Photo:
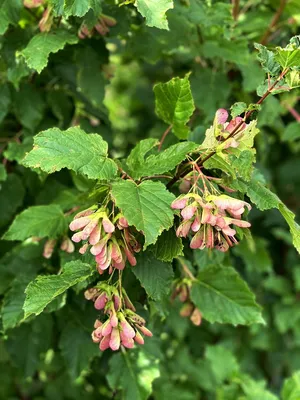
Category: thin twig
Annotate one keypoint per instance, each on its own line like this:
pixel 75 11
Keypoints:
pixel 273 22
pixel 294 113
pixel 186 269
pixel 235 9
pixel 164 136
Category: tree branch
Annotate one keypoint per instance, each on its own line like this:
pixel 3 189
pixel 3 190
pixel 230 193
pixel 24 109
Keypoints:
pixel 235 130
pixel 273 23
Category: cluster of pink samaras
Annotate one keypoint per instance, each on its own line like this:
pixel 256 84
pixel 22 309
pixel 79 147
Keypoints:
pixel 209 220
pixel 123 327
pixel 45 22
pixel 229 127
pixel 112 243
pixel 182 291
pixel 102 27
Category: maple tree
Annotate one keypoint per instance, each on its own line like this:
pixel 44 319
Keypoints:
pixel 148 196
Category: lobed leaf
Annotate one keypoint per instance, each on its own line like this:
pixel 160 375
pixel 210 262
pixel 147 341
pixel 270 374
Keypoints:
pixel 147 206
pixel 174 104
pixel 154 11
pixel 156 164
pixel 73 149
pixel 45 288
pixel 41 45
pixel 40 221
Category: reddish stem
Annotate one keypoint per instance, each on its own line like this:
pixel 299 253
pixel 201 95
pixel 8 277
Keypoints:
pixel 164 136
pixel 273 22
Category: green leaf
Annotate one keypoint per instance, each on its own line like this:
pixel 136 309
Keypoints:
pixel 256 259
pixel 168 246
pixel 206 84
pixel 238 108
pixel 291 387
pixel 156 164
pixel 155 276
pixel 28 358
pixel 267 59
pixel 291 132
pixel 90 79
pixel 40 221
pixel 12 193
pixel 288 58
pixel 235 51
pixel 73 149
pixel 264 199
pixel 17 151
pixel 10 11
pixel 242 163
pixel 146 206
pixel 77 348
pixel 223 363
pixel 174 104
pixel 3 173
pixel 41 45
pixel 293 79
pixel 5 100
pixel 133 372
pixel 29 106
pixel 12 310
pixel 46 288
pixel 222 296
pixel 79 8
pixel 289 216
pixel 219 162
pixel 155 12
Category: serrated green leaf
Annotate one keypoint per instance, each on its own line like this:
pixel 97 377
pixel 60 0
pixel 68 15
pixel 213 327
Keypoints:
pixel 289 216
pixel 168 246
pixel 264 199
pixel 133 372
pixel 238 108
pixel 155 12
pixel 287 58
pixel 43 44
pixel 73 149
pixel 46 288
pixel 222 296
pixel 174 104
pixel 242 163
pixel 156 163
pixel 219 162
pixel 146 206
pixel 40 221
pixel 79 8
pixel 267 59
pixel 291 387
pixel 155 276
